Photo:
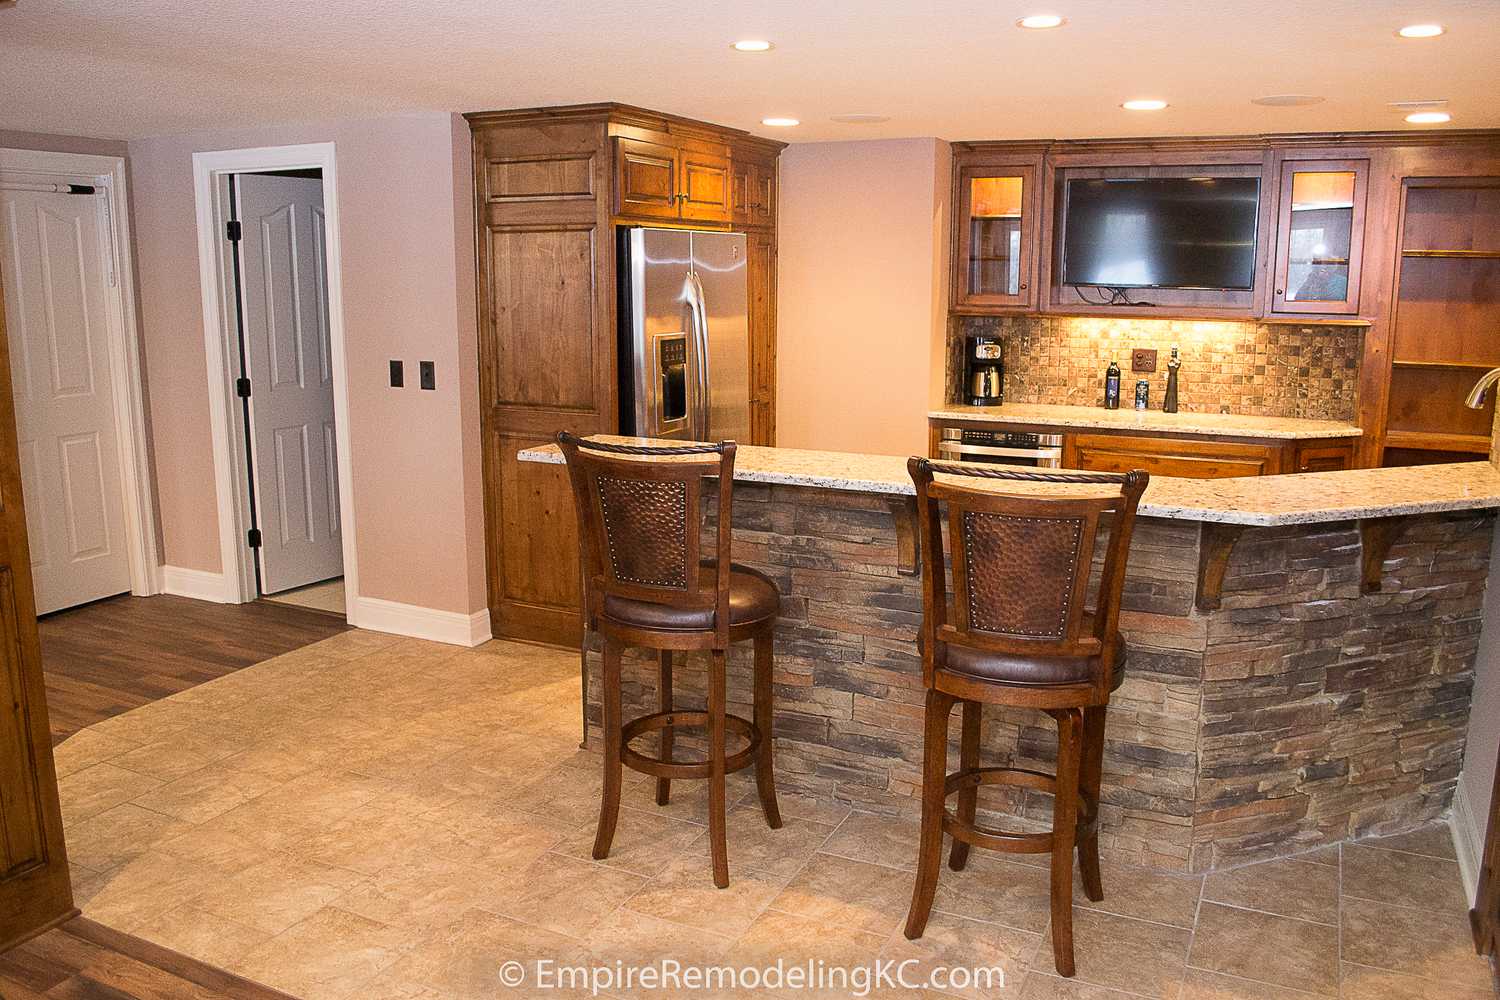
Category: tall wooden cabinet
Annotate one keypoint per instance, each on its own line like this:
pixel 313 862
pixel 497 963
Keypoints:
pixel 552 186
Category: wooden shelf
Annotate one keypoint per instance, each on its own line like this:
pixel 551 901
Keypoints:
pixel 1482 366
pixel 1436 441
pixel 1455 254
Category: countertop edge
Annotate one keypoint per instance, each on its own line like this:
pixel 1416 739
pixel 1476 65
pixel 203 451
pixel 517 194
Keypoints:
pixel 1083 420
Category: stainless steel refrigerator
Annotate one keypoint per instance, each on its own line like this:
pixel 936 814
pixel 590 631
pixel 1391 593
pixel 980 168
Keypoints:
pixel 684 335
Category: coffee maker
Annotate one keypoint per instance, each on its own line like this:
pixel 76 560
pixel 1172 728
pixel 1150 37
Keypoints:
pixel 985 375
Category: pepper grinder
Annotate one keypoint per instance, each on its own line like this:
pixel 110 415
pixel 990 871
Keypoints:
pixel 1169 401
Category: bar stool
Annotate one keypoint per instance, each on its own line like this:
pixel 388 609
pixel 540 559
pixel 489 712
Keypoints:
pixel 641 521
pixel 1021 635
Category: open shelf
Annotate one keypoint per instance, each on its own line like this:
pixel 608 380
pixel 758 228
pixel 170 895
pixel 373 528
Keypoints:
pixel 1454 254
pixel 1434 441
pixel 1479 366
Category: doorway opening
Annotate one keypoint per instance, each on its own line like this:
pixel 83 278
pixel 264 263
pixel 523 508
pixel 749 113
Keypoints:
pixel 269 253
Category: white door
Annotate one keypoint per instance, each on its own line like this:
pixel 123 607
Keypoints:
pixel 284 296
pixel 57 312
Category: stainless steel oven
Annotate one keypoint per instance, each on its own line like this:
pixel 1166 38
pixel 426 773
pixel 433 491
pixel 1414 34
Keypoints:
pixel 1042 451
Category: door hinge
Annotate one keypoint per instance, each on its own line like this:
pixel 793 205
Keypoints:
pixel 232 230
pixel 242 388
pixel 252 538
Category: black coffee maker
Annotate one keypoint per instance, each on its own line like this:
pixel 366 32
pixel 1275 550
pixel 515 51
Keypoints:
pixel 985 370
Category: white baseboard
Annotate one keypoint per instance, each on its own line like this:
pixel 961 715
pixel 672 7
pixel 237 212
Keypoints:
pixel 1468 840
pixel 452 627
pixel 198 584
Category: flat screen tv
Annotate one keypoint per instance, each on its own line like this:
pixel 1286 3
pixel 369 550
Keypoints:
pixel 1160 232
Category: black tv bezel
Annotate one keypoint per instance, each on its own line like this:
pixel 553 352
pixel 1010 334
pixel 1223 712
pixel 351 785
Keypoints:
pixel 1062 242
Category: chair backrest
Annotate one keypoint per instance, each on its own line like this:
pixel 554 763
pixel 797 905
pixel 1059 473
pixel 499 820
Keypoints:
pixel 640 521
pixel 1022 560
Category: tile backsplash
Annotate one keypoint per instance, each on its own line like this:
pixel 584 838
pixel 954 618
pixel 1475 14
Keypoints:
pixel 1259 369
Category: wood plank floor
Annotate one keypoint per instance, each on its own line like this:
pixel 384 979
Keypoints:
pixel 82 960
pixel 105 658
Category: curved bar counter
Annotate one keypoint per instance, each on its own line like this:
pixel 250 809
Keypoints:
pixel 1301 651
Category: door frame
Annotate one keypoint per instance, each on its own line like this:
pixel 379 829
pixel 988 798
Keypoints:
pixel 220 335
pixel 137 488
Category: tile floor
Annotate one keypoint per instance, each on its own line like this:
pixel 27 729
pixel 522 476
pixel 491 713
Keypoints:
pixel 373 817
pixel 325 596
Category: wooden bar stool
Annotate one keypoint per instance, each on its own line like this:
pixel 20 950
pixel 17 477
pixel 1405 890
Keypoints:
pixel 1021 635
pixel 640 518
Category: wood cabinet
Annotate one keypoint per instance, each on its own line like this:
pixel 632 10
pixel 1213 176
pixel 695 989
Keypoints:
pixel 1325 456
pixel 682 183
pixel 1320 234
pixel 1187 458
pixel 997 210
pixel 552 189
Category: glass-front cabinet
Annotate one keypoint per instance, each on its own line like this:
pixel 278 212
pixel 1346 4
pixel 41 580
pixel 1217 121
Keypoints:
pixel 997 225
pixel 1320 236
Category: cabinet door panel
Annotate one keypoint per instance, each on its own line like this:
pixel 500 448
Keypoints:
pixel 996 234
pixel 536 551
pixel 541 298
pixel 647 179
pixel 1320 236
pixel 705 187
pixel 762 282
pixel 1188 459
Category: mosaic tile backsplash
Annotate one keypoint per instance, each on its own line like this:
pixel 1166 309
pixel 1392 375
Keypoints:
pixel 1258 369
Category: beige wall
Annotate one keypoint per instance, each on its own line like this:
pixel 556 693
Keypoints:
pixel 61 143
pixel 408 260
pixel 861 293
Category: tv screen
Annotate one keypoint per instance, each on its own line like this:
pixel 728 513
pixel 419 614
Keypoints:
pixel 1161 232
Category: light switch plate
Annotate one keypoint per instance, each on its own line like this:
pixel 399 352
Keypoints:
pixel 1142 359
pixel 428 376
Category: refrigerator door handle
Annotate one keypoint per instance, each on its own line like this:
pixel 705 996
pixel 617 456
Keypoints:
pixel 699 310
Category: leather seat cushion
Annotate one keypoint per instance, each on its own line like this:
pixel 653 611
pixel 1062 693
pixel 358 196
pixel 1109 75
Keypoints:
pixel 1029 671
pixel 752 598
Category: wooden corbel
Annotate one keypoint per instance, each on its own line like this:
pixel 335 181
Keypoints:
pixel 1376 536
pixel 908 558
pixel 1215 543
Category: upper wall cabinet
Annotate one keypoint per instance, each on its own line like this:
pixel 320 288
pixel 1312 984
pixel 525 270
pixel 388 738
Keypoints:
pixel 1320 236
pixel 678 183
pixel 996 226
pixel 753 191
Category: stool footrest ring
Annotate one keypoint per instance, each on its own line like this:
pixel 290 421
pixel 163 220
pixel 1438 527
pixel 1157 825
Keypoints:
pixel 1004 840
pixel 660 768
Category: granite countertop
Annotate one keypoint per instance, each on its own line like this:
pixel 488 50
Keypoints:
pixel 1306 498
pixel 1128 419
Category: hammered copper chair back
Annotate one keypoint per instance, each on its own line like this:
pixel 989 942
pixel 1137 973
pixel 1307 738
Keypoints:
pixel 1022 561
pixel 640 518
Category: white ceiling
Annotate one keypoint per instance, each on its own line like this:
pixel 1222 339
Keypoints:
pixel 957 69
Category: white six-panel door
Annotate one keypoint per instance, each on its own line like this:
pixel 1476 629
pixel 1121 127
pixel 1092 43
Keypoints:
pixel 289 362
pixel 56 310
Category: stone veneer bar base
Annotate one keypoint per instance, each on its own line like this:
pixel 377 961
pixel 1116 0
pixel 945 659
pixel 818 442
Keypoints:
pixel 1300 714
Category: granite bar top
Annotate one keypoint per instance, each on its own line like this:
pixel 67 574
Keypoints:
pixel 1149 421
pixel 1305 498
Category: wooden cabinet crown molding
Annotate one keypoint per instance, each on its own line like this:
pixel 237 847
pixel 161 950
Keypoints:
pixel 1222 143
pixel 627 115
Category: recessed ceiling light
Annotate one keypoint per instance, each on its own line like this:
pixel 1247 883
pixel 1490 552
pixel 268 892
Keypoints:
pixel 1287 100
pixel 780 122
pixel 1429 117
pixel 859 119
pixel 1040 21
pixel 753 45
pixel 1421 31
pixel 1144 104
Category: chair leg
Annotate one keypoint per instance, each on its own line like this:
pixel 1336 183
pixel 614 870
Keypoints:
pixel 930 843
pixel 716 709
pixel 664 692
pixel 765 779
pixel 968 798
pixel 1064 833
pixel 609 809
pixel 1089 780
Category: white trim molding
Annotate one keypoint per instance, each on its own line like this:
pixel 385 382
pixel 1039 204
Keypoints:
pixel 107 175
pixel 452 627
pixel 1468 841
pixel 208 168
pixel 199 584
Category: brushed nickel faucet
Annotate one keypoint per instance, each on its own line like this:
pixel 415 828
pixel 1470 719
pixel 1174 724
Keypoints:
pixel 1475 400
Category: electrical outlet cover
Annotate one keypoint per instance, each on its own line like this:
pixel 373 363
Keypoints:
pixel 1143 360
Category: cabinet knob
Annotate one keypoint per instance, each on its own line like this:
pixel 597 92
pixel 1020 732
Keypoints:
pixel 1023 284
pixel 1280 291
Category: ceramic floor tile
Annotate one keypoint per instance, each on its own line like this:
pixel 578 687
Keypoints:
pixel 636 940
pixel 95 789
pixel 565 895
pixel 275 894
pixel 326 956
pixel 1201 985
pixel 1287 888
pixel 1437 946
pixel 953 942
pixel 204 794
pixel 205 936
pixel 425 893
pixel 684 893
pixel 995 890
pixel 176 756
pixel 1434 841
pixel 796 941
pixel 463 960
pixel 1405 879
pixel 1041 986
pixel 643 843
pixel 855 894
pixel 118 835
pixel 1361 983
pixel 754 846
pixel 877 839
pixel 139 890
pixel 487 832
pixel 1122 953
pixel 1144 893
pixel 1261 946
pixel 86 748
